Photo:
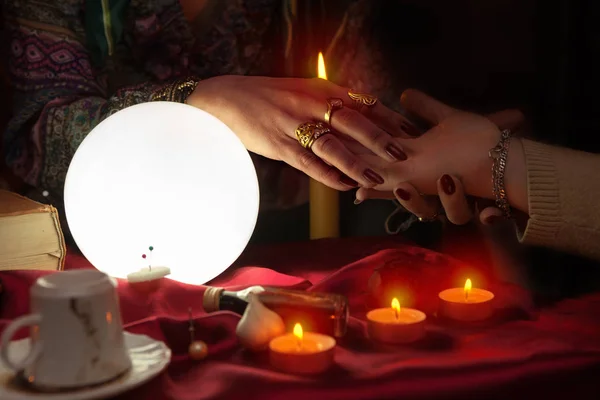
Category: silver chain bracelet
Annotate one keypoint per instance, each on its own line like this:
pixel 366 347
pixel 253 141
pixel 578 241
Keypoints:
pixel 499 155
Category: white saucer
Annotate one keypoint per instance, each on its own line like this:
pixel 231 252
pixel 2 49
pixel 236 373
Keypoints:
pixel 149 357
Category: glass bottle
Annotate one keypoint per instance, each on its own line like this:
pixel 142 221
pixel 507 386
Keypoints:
pixel 317 312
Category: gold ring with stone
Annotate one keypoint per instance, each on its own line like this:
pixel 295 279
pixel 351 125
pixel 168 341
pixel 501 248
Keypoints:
pixel 362 99
pixel 332 105
pixel 433 218
pixel 308 132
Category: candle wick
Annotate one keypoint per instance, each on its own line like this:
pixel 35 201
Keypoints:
pixel 466 295
pixel 396 312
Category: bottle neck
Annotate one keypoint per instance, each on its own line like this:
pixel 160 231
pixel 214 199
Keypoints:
pixel 219 299
pixel 229 301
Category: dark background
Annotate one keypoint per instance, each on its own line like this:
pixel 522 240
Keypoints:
pixel 541 56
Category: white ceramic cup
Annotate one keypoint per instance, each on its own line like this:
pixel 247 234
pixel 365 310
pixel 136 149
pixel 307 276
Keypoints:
pixel 76 332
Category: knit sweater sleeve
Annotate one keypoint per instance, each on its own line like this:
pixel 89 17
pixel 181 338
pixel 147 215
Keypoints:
pixel 564 199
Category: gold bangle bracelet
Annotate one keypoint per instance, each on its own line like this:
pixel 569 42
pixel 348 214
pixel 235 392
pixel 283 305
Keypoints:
pixel 177 91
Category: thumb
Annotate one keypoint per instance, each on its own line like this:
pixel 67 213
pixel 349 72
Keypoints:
pixel 363 194
pixel 425 107
pixel 507 119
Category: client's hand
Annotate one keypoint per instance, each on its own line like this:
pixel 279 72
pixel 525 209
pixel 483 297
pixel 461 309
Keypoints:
pixel 265 112
pixel 451 197
pixel 458 142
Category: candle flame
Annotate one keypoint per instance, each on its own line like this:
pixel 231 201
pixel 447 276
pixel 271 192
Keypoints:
pixel 298 331
pixel 468 286
pixel 321 71
pixel 299 335
pixel 396 306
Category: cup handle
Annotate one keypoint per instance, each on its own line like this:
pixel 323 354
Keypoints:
pixel 7 335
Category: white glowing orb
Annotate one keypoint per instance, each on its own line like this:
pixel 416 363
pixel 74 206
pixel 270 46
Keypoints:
pixel 165 175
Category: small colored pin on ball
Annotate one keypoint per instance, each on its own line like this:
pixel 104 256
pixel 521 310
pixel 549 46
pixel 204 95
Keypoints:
pixel 143 256
pixel 151 248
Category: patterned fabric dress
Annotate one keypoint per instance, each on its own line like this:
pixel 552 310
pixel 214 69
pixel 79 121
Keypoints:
pixel 74 62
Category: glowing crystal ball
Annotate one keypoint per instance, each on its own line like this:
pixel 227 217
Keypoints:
pixel 165 175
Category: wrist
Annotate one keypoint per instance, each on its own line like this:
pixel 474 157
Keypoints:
pixel 198 96
pixel 515 178
pixel 208 93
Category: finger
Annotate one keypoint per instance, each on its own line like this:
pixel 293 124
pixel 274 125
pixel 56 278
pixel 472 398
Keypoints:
pixel 360 128
pixel 490 215
pixel 507 119
pixel 331 150
pixel 363 194
pixel 454 201
pixel 395 124
pixel 425 107
pixel 414 202
pixel 358 148
pixel 307 162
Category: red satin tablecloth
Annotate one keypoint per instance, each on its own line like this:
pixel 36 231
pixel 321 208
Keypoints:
pixel 525 353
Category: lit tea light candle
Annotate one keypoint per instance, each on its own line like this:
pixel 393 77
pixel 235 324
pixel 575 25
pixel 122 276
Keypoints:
pixel 148 274
pixel 149 277
pixel 466 303
pixel 396 324
pixel 302 352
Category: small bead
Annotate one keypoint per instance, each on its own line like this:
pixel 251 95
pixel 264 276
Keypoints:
pixel 143 256
pixel 198 350
pixel 151 248
pixel 45 193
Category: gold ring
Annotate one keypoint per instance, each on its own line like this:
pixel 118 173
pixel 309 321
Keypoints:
pixel 362 99
pixel 332 105
pixel 433 218
pixel 308 132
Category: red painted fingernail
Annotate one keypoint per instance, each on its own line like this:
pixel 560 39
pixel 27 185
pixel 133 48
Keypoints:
pixel 346 180
pixel 395 152
pixel 403 194
pixel 448 184
pixel 410 129
pixel 373 177
pixel 492 219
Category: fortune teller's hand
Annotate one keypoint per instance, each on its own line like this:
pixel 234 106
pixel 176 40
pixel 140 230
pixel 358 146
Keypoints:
pixel 265 114
pixel 457 146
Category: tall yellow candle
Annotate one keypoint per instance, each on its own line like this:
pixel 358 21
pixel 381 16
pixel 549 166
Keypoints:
pixel 324 202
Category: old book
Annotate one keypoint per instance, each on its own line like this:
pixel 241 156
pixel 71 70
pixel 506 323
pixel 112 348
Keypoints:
pixel 30 234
